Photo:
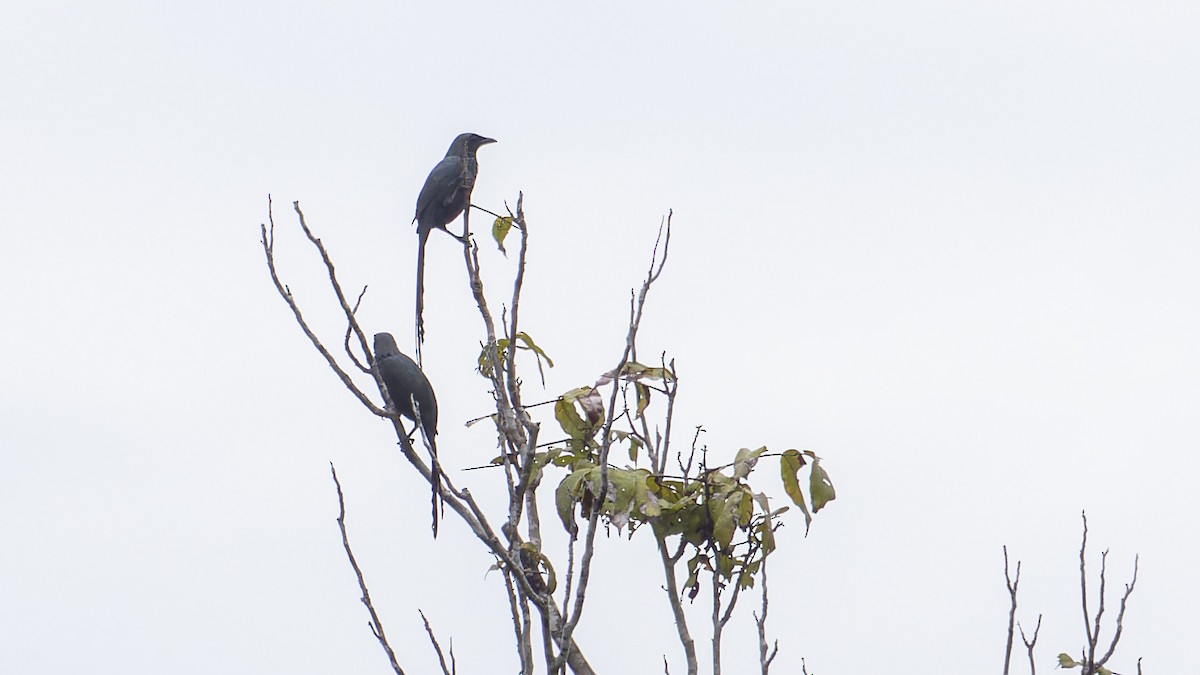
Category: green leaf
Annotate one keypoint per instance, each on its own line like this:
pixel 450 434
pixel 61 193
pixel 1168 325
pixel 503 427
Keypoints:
pixel 567 493
pixel 648 503
pixel 500 229
pixel 693 580
pixel 767 535
pixel 624 484
pixel 820 487
pixel 725 565
pixel 541 459
pixel 746 579
pixel 789 468
pixel 744 502
pixel 589 401
pixel 635 445
pixel 723 522
pixel 570 421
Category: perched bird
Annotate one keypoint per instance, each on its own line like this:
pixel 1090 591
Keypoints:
pixel 446 193
pixel 406 386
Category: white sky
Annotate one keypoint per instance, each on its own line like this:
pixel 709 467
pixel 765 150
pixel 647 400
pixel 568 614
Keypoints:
pixel 952 247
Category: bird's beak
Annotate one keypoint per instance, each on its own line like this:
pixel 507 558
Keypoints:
pixel 485 141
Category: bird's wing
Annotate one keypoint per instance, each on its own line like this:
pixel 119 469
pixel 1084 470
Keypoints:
pixel 441 184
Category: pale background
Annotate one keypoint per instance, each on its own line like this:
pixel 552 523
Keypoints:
pixel 952 247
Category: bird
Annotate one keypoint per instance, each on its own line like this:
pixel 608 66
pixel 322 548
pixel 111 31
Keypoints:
pixel 407 385
pixel 446 193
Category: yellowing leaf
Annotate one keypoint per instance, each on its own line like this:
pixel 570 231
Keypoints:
pixel 500 229
pixel 532 346
pixel 820 487
pixel 643 398
pixel 789 468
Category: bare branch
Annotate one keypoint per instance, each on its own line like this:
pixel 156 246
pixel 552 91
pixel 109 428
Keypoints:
pixel 375 624
pixel 1029 644
pixel 1012 585
pixel 673 595
pixel 520 617
pixel 765 657
pixel 436 647
pixel 1121 617
pixel 1090 664
pixel 1090 651
pixel 636 310
pixel 350 331
pixel 268 243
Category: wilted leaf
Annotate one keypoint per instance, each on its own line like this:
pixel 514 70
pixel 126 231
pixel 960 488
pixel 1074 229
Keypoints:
pixel 532 346
pixel 593 406
pixel 565 411
pixel 634 371
pixel 789 468
pixel 500 229
pixel 643 398
pixel 543 563
pixel 744 461
pixel 487 366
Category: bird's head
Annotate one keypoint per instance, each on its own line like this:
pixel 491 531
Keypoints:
pixel 385 345
pixel 468 143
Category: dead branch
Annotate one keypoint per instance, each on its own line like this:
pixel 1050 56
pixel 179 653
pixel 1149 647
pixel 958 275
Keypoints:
pixel 1029 644
pixel 375 623
pixel 438 648
pixel 1012 584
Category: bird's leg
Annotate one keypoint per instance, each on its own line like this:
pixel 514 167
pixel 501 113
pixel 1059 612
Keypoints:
pixel 462 239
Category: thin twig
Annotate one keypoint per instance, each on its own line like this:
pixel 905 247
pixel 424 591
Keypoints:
pixel 268 243
pixel 764 657
pixel 375 623
pixel 350 331
pixel 436 647
pixel 1029 644
pixel 1121 616
pixel 636 311
pixel 673 595
pixel 1012 585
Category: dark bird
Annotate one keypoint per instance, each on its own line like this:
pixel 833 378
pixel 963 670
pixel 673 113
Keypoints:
pixel 446 193
pixel 407 385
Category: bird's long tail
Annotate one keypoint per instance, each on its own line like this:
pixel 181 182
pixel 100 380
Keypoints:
pixel 436 481
pixel 423 236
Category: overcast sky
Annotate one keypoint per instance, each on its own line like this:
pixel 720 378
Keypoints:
pixel 951 247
